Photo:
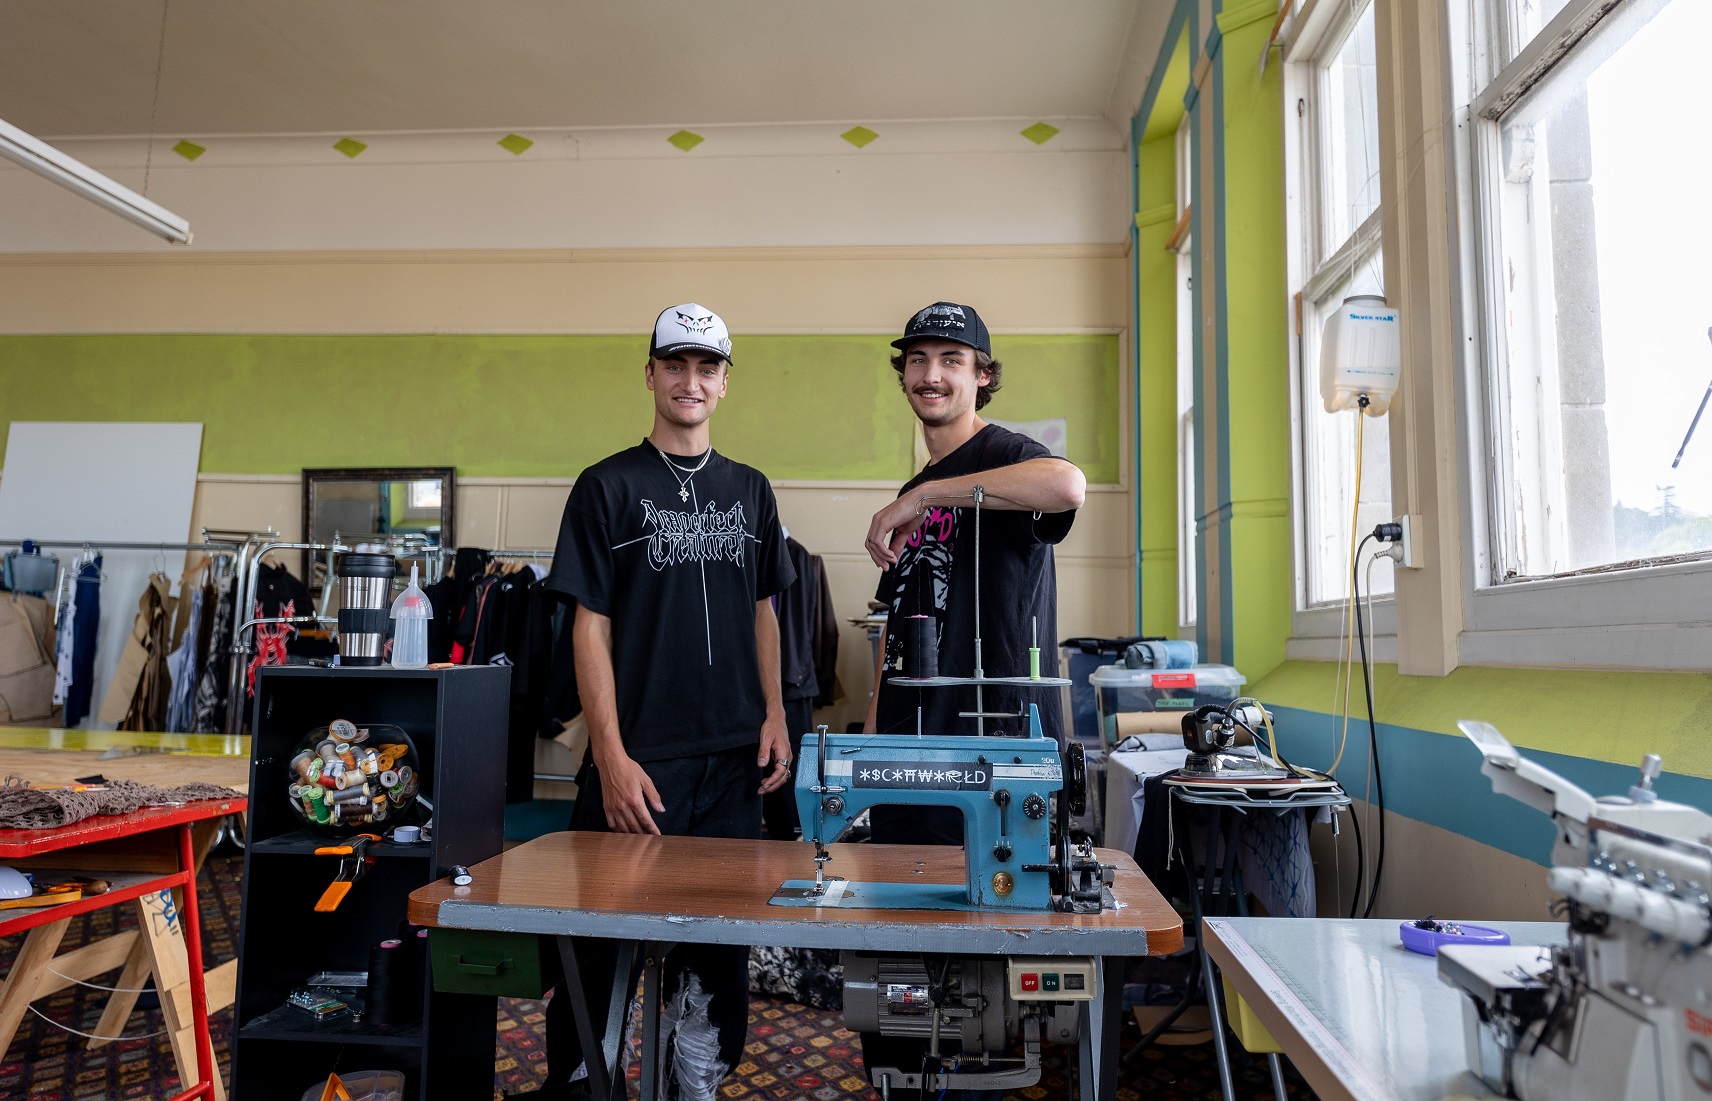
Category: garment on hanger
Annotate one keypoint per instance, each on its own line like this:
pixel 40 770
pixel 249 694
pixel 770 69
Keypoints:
pixel 62 658
pixel 87 596
pixel 208 713
pixel 182 663
pixel 798 608
pixel 447 597
pixel 824 640
pixel 26 659
pixel 136 698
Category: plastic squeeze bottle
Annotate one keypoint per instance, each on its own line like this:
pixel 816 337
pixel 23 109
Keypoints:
pixel 411 613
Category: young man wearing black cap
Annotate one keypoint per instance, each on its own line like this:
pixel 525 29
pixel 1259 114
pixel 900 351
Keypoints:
pixel 925 541
pixel 673 553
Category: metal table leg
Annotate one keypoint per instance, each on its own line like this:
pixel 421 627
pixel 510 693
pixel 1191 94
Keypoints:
pixel 651 1076
pixel 605 1072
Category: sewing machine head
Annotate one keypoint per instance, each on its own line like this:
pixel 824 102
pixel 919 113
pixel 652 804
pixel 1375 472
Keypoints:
pixel 1003 787
pixel 1615 1014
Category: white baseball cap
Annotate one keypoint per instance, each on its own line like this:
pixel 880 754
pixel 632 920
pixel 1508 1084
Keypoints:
pixel 686 327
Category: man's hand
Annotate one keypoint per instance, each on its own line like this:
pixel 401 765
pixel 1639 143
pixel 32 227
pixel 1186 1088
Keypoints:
pixel 891 528
pixel 628 794
pixel 775 751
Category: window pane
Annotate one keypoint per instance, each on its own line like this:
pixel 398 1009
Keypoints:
pixel 1607 296
pixel 1349 161
pixel 1528 16
pixel 1328 466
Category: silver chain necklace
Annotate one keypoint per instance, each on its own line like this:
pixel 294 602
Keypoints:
pixel 684 482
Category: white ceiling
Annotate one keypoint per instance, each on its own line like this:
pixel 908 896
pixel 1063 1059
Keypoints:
pixel 81 67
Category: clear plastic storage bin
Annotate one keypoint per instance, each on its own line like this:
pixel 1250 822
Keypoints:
pixel 1118 690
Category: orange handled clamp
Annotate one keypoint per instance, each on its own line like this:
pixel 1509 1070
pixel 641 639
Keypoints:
pixel 352 864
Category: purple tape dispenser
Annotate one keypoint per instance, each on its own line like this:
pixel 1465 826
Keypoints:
pixel 1425 936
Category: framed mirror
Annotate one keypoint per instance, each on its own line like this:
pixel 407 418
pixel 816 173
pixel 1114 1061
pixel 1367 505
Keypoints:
pixel 376 504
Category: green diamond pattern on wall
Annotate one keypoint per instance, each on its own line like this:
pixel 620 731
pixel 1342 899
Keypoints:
pixel 686 140
pixel 515 144
pixel 350 147
pixel 859 136
pixel 1041 133
pixel 189 150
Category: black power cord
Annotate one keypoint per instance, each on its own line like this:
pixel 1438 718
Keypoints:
pixel 1385 533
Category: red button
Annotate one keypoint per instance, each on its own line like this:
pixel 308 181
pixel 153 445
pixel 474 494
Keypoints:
pixel 1030 982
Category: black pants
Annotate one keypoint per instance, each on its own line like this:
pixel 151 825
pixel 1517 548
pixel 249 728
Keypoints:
pixel 779 808
pixel 708 985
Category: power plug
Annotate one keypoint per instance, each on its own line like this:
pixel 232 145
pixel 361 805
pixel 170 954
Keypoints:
pixel 1398 533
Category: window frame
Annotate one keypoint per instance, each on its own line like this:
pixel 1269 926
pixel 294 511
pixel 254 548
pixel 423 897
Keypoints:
pixel 1313 37
pixel 1182 246
pixel 1647 616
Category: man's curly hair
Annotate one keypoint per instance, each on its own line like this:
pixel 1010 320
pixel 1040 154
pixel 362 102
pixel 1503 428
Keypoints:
pixel 983 362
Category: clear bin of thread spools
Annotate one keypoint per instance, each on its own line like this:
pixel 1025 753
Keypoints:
pixel 1119 691
pixel 345 775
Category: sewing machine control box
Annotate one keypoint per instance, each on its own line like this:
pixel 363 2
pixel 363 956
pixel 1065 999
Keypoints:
pixel 1053 979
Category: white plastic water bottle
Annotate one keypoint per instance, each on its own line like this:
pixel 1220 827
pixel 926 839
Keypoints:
pixel 411 613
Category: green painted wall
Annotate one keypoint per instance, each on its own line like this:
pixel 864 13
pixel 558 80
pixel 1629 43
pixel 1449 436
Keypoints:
pixel 803 407
pixel 1156 269
pixel 1598 715
pixel 1258 364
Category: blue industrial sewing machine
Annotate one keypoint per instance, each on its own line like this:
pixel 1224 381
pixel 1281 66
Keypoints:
pixel 1004 787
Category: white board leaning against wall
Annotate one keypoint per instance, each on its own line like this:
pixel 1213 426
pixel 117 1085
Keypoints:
pixel 96 482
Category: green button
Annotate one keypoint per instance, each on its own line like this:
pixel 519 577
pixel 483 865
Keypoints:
pixel 1049 981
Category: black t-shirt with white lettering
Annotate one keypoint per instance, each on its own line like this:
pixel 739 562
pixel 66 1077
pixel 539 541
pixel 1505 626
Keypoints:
pixel 678 563
pixel 935 576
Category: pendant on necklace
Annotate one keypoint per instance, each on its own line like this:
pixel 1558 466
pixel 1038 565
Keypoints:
pixel 683 493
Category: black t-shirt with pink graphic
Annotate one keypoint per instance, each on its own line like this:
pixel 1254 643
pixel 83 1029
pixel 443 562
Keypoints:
pixel 1019 592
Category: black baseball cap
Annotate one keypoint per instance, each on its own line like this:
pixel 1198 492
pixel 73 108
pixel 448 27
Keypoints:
pixel 947 321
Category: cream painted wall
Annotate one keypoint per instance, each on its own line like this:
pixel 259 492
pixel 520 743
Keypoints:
pixel 920 183
pixel 1017 288
pixel 829 518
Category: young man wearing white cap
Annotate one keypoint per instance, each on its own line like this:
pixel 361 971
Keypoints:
pixel 673 553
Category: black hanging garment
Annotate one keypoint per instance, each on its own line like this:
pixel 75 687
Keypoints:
pixel 209 711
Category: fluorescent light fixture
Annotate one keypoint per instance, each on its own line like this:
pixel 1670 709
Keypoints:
pixel 73 175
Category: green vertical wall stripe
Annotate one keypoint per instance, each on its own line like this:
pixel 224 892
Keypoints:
pixel 1137 467
pixel 1156 438
pixel 1226 651
pixel 808 407
pixel 1254 296
pixel 1207 629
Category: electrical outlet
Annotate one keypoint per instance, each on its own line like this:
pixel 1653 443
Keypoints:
pixel 1409 560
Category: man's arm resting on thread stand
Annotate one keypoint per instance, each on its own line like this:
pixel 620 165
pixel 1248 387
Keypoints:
pixel 626 790
pixel 775 739
pixel 1035 485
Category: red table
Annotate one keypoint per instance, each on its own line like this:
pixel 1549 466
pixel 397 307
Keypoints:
pixel 141 858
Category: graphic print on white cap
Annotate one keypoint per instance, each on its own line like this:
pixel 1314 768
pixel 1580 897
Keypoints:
pixel 687 327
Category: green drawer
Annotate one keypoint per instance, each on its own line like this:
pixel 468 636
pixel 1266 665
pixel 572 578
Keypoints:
pixel 469 961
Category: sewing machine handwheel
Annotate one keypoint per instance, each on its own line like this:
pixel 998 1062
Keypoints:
pixel 1076 780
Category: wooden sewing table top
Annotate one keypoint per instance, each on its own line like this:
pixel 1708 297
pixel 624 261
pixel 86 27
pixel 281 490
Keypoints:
pixel 715 891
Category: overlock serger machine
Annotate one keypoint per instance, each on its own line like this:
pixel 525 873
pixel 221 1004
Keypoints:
pixel 1017 795
pixel 1624 1010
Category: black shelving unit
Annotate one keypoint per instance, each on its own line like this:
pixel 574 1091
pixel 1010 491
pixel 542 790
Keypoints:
pixel 457 719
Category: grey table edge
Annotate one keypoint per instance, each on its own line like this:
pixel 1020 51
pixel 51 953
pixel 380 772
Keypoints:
pixel 796 932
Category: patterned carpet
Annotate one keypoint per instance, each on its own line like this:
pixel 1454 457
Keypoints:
pixel 793 1051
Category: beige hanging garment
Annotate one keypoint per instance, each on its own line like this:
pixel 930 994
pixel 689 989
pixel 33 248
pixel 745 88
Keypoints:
pixel 26 660
pixel 139 683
